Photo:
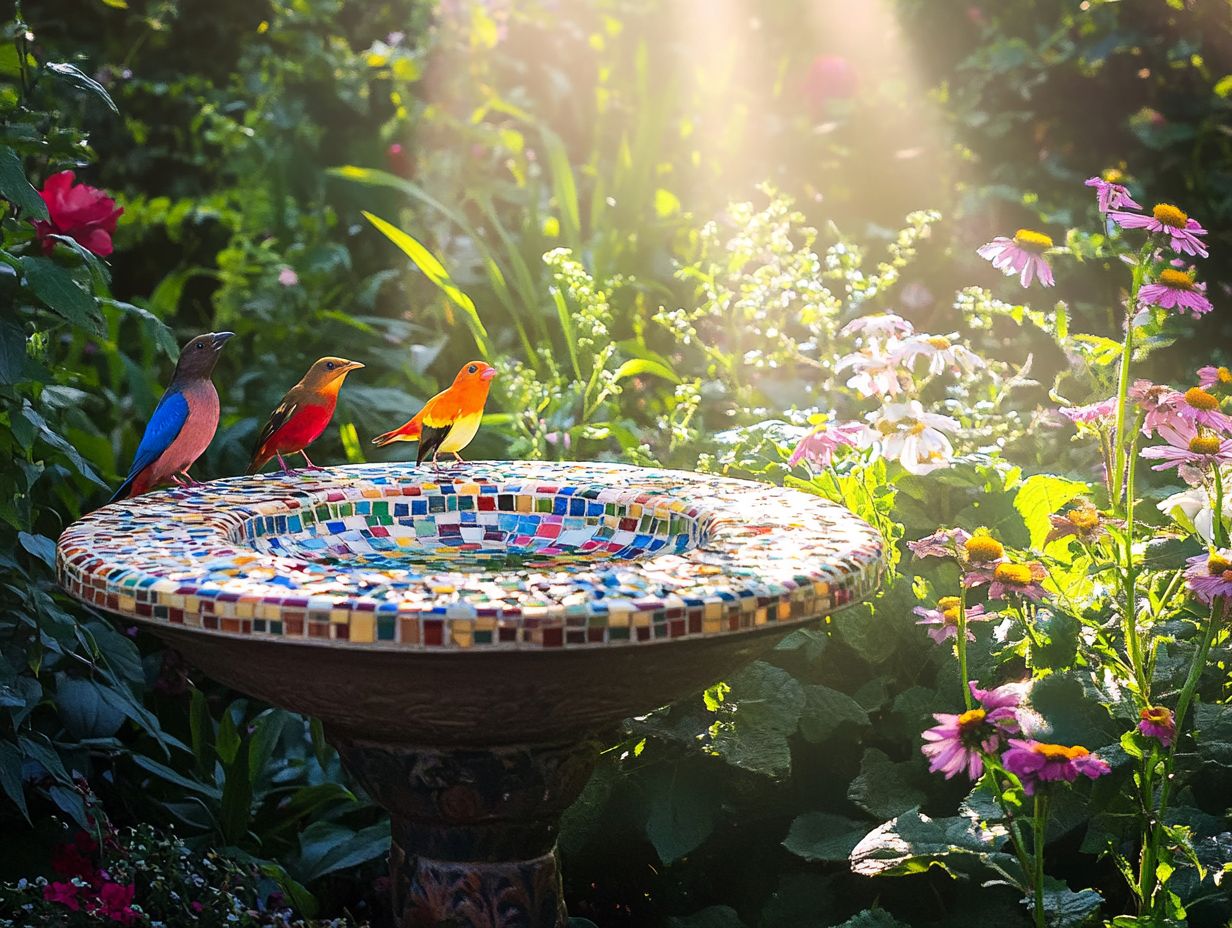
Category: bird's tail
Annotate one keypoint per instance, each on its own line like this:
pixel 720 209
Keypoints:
pixel 134 485
pixel 408 432
pixel 259 460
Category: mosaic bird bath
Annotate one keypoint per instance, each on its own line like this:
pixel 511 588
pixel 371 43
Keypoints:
pixel 468 639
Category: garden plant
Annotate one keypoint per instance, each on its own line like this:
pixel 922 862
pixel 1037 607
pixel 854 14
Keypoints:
pixel 957 266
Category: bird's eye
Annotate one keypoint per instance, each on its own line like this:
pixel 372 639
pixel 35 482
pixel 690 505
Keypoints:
pixel 200 345
pixel 330 365
pixel 472 369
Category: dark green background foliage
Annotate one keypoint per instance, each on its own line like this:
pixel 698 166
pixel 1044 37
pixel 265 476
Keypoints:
pixel 247 138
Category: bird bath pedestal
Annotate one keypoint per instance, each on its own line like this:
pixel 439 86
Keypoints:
pixel 469 638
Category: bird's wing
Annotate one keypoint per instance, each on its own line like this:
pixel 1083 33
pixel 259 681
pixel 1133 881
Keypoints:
pixel 442 410
pixel 163 428
pixel 278 418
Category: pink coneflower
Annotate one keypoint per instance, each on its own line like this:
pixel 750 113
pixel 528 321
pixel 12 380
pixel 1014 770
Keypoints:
pixel 1091 413
pixel 1210 576
pixel 1008 579
pixel 1166 219
pixel 959 742
pixel 1214 377
pixel 1083 522
pixel 1158 722
pixel 1189 446
pixel 1023 255
pixel 1155 400
pixel 819 445
pixel 1110 195
pixel 945 542
pixel 982 548
pixel 1036 762
pixel 1176 290
pixel 1195 407
pixel 944 618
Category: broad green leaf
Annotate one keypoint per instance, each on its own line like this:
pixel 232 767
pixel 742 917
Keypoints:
pixel 1042 495
pixel 73 75
pixel 885 788
pixel 873 918
pixel 825 710
pixel 1064 908
pixel 760 714
pixel 10 777
pixel 824 836
pixel 683 808
pixel 638 366
pixel 15 188
pixel 432 268
pixel 912 843
pixel 56 289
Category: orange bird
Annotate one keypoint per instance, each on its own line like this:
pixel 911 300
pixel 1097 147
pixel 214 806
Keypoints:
pixel 450 419
pixel 303 414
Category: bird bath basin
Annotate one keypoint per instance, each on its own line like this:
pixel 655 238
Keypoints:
pixel 468 638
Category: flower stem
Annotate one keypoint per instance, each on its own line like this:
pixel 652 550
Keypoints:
pixel 962 646
pixel 1217 529
pixel 1150 852
pixel 1038 821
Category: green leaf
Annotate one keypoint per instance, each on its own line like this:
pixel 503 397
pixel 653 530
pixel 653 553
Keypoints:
pixel 15 188
pixel 885 788
pixel 683 808
pixel 166 773
pixel 1039 497
pixel 432 268
pixel 912 843
pixel 801 900
pixel 10 777
pixel 326 847
pixel 13 360
pixel 760 714
pixel 59 291
pixel 57 441
pixel 1223 86
pixel 1064 908
pixel 236 810
pixel 40 546
pixel 713 916
pixel 638 366
pixel 824 836
pixel 873 918
pixel 825 710
pixel 73 75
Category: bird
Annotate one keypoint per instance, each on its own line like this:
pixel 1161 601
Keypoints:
pixel 183 423
pixel 450 419
pixel 303 413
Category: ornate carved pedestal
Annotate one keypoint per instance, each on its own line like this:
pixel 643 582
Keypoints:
pixel 474 831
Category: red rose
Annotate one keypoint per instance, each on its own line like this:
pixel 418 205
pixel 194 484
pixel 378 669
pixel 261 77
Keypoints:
pixel 85 214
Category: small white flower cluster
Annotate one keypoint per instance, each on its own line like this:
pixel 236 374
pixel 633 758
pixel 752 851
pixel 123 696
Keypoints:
pixel 884 365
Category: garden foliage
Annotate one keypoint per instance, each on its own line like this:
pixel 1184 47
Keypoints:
pixel 676 252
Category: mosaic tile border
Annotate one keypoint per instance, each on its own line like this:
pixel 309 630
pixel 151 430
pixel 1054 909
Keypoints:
pixel 628 556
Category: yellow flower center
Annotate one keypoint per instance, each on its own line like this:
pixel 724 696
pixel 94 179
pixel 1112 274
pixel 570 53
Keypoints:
pixel 984 548
pixel 1204 444
pixel 1113 175
pixel 1032 241
pixel 1169 215
pixel 1083 519
pixel 917 428
pixel 950 616
pixel 1160 715
pixel 940 342
pixel 1223 375
pixel 886 427
pixel 1177 280
pixel 1200 399
pixel 1218 564
pixel 972 718
pixel 1060 751
pixel 948 602
pixel 1013 574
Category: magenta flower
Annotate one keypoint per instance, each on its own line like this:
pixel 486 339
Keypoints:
pixel 1214 377
pixel 1006 579
pixel 1158 722
pixel 65 894
pixel 960 742
pixel 1176 290
pixel 1036 762
pixel 1189 446
pixel 1166 219
pixel 1197 408
pixel 1091 413
pixel 944 618
pixel 1023 255
pixel 1210 576
pixel 1155 400
pixel 1111 196
pixel 819 445
pixel 945 542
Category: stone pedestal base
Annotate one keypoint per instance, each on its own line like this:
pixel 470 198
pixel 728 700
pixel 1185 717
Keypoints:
pixel 474 831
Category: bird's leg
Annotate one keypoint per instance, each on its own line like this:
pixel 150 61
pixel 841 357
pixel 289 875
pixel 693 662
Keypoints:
pixel 457 457
pixel 189 479
pixel 308 460
pixel 178 481
pixel 282 464
pixel 436 467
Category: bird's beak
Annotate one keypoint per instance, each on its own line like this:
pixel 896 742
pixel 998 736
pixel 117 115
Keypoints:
pixel 352 366
pixel 488 374
pixel 220 339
